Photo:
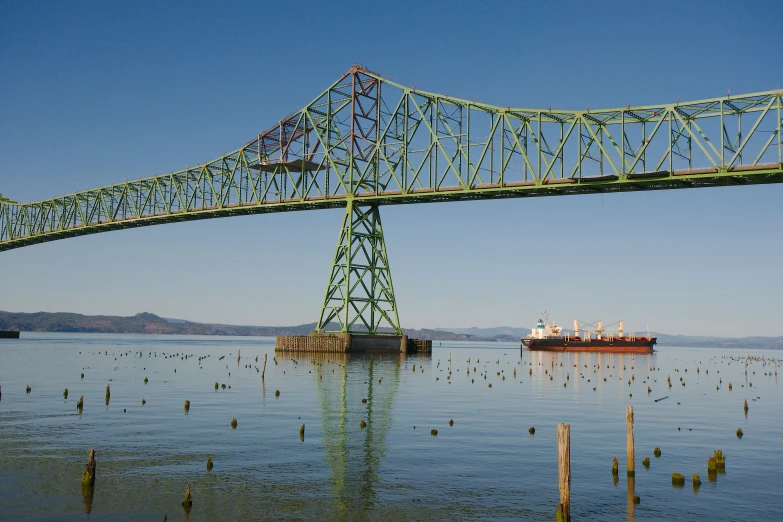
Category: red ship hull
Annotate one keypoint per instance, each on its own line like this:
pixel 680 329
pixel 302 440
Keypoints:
pixel 622 345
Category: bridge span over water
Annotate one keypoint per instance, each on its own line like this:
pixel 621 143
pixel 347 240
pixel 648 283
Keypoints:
pixel 367 141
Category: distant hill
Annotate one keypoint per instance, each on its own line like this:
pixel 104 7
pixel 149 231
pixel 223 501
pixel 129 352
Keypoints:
pixel 147 323
pixel 510 331
pixel 143 323
pixel 719 342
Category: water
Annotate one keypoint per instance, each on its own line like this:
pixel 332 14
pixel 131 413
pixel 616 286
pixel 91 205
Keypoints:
pixel 485 466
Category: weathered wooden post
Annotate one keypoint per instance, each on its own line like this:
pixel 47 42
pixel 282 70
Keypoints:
pixel 264 370
pixel 88 478
pixel 188 502
pixel 564 472
pixel 629 449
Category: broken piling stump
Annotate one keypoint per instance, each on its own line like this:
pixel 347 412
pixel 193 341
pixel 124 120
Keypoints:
pixel 88 478
pixel 188 502
pixel 720 460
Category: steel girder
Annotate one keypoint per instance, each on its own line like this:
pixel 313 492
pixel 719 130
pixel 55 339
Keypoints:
pixel 360 295
pixel 381 143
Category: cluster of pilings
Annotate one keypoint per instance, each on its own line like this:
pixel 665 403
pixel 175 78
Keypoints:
pixel 715 464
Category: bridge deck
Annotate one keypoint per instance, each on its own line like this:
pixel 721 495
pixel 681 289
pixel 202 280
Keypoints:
pixel 661 180
pixel 373 141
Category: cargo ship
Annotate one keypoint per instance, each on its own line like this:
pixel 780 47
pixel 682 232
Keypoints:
pixel 9 334
pixel 553 338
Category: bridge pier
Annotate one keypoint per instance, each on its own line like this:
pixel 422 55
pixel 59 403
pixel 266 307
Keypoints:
pixel 351 343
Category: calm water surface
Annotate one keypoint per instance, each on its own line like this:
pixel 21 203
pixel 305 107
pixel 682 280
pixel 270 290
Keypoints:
pixel 485 466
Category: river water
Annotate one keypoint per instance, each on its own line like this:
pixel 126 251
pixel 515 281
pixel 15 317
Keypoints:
pixel 484 466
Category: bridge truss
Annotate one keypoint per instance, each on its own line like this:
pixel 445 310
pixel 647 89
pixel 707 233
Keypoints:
pixel 367 141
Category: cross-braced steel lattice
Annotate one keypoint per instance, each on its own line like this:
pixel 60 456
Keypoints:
pixel 360 295
pixel 368 141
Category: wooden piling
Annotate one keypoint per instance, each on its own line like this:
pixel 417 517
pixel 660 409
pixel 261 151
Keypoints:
pixel 263 371
pixel 89 474
pixel 564 471
pixel 188 502
pixel 629 449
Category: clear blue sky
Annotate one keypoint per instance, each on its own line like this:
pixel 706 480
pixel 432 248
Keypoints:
pixel 99 92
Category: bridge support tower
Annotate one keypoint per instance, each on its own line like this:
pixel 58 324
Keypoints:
pixel 360 295
pixel 359 312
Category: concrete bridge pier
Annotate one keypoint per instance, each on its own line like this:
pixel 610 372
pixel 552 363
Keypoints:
pixel 352 343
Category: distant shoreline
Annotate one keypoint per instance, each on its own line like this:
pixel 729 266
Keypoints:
pixel 147 323
pixel 694 344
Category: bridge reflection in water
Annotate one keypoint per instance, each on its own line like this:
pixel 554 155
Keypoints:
pixel 354 453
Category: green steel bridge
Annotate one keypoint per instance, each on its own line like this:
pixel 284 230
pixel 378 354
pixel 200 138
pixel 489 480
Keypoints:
pixel 367 141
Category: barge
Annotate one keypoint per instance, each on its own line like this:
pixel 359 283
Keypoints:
pixel 9 334
pixel 553 338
